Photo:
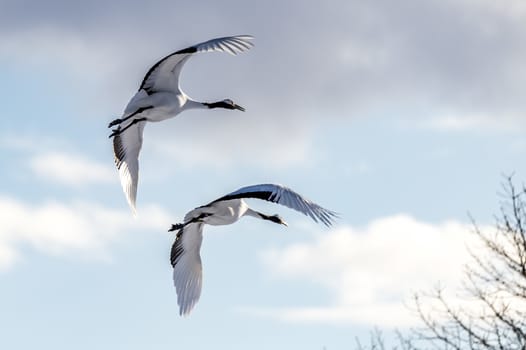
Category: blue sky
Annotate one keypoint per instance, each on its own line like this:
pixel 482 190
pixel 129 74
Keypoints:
pixel 402 116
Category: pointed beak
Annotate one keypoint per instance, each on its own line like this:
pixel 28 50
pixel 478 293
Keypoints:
pixel 284 223
pixel 238 107
pixel 171 228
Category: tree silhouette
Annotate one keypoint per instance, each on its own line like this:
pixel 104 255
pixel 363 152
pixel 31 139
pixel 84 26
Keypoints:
pixel 492 311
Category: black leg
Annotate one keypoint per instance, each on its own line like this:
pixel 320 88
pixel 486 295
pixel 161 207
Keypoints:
pixel 118 120
pixel 196 219
pixel 176 227
pixel 119 131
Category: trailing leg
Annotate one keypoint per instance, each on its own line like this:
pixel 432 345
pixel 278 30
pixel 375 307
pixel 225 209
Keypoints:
pixel 118 120
pixel 119 131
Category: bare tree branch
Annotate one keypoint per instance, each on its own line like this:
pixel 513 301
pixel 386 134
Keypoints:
pixel 493 314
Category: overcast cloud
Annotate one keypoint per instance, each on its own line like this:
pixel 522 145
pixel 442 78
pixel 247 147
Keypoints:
pixel 449 62
pixel 373 271
pixel 359 57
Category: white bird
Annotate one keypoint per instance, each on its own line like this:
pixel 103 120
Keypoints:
pixel 185 257
pixel 159 98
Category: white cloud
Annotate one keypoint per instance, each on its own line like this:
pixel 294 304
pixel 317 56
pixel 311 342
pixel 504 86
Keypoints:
pixel 46 160
pixel 473 122
pixel 191 147
pixel 372 272
pixel 71 229
pixel 8 256
pixel 71 169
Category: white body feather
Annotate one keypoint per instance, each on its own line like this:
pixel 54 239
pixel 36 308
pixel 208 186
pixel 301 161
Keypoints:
pixel 161 98
pixel 226 210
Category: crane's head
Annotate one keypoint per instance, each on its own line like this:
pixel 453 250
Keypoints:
pixel 277 219
pixel 227 104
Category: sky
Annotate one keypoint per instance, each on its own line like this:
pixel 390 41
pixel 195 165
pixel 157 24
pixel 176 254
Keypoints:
pixel 401 116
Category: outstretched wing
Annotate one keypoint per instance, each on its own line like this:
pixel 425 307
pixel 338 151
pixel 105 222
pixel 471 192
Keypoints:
pixel 164 75
pixel 186 261
pixel 284 196
pixel 126 148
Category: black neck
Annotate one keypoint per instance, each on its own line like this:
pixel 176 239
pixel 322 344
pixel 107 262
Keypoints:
pixel 219 104
pixel 272 218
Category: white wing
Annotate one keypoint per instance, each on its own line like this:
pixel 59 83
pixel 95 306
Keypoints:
pixel 126 148
pixel 164 75
pixel 186 261
pixel 284 196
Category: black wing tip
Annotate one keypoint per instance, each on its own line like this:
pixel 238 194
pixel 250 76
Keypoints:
pixel 238 36
pixel 190 50
pixel 177 248
pixel 247 40
pixel 244 37
pixel 330 218
pixel 118 150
